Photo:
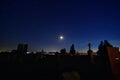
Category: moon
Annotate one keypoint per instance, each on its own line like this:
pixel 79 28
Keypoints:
pixel 61 37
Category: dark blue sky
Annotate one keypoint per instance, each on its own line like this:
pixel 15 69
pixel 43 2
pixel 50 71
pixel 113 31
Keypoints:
pixel 39 22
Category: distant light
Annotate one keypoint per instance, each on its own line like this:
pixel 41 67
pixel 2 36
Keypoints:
pixel 28 52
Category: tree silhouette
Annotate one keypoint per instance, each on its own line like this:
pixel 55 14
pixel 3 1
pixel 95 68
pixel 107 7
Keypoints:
pixel 101 45
pixel 42 51
pixel 106 44
pixel 63 51
pixel 72 50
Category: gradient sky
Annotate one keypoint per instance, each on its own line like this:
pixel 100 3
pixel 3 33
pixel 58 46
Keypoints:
pixel 40 22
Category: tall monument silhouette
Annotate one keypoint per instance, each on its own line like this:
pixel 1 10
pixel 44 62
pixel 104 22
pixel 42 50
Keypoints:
pixel 90 53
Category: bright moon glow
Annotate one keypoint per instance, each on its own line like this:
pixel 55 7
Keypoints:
pixel 61 37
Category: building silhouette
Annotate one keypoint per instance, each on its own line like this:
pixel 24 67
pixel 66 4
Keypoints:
pixel 114 58
pixel 109 58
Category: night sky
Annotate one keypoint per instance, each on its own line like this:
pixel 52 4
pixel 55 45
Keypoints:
pixel 39 23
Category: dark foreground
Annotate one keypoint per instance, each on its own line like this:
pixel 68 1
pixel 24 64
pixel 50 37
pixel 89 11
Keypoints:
pixel 54 68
